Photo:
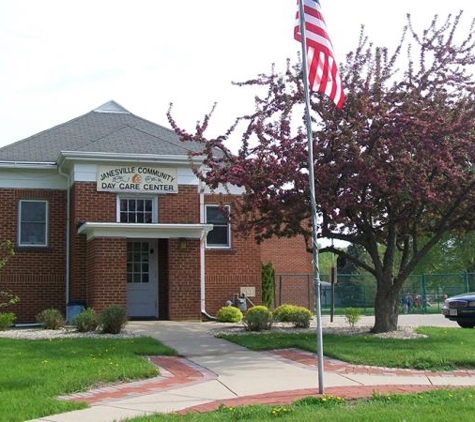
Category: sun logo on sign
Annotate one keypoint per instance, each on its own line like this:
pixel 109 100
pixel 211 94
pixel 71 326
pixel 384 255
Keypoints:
pixel 136 178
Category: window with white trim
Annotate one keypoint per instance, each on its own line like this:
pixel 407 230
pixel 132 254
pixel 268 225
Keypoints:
pixel 33 223
pixel 137 210
pixel 220 236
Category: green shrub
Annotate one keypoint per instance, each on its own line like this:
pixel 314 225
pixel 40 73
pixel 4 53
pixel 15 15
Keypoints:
pixel 7 298
pixel 284 312
pixel 6 320
pixel 87 320
pixel 352 316
pixel 268 284
pixel 51 318
pixel 229 314
pixel 113 319
pixel 258 318
pixel 299 316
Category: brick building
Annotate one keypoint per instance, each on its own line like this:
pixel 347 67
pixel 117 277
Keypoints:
pixel 105 209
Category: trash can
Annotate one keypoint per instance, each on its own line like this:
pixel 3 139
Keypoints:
pixel 241 303
pixel 73 308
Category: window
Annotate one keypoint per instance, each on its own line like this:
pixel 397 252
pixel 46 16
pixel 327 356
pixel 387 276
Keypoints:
pixel 33 227
pixel 219 237
pixel 137 262
pixel 137 210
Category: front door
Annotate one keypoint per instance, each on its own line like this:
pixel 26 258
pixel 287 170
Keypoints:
pixel 142 278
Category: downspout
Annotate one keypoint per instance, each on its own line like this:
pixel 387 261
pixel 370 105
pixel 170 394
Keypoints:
pixel 202 256
pixel 68 232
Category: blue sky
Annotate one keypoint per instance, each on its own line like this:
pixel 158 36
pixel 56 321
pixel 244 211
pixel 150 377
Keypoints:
pixel 62 59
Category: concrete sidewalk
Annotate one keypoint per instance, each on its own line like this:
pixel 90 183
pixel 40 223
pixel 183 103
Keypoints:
pixel 210 371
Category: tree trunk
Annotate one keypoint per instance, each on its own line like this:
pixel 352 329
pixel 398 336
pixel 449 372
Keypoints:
pixel 386 309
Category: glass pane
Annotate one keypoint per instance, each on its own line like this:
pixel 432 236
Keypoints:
pixel 145 268
pixel 33 211
pixel 123 205
pixel 145 247
pixel 131 205
pixel 140 218
pixel 123 217
pixel 218 237
pixel 148 218
pixel 129 278
pixel 140 205
pixel 214 215
pixel 136 278
pixel 148 205
pixel 144 278
pixel 136 268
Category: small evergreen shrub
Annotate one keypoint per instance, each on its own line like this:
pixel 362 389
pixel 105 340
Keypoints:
pixel 299 316
pixel 284 312
pixel 352 316
pixel 113 319
pixel 87 320
pixel 258 318
pixel 229 314
pixel 51 318
pixel 6 320
pixel 268 284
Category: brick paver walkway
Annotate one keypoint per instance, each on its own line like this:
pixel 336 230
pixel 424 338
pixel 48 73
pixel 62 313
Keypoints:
pixel 179 372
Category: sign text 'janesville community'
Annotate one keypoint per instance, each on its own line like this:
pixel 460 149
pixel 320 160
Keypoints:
pixel 137 179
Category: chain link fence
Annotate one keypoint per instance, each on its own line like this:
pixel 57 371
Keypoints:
pixel 424 293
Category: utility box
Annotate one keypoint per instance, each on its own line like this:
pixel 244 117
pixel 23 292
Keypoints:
pixel 73 308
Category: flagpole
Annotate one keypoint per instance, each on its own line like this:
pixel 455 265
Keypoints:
pixel 311 176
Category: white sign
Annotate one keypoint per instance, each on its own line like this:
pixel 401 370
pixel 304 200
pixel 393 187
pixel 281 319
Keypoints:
pixel 144 179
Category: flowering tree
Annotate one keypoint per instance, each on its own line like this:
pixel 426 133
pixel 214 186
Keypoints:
pixel 393 167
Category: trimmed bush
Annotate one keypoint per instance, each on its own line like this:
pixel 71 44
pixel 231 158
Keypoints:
pixel 258 318
pixel 87 320
pixel 352 316
pixel 299 316
pixel 284 313
pixel 113 319
pixel 229 314
pixel 51 318
pixel 6 320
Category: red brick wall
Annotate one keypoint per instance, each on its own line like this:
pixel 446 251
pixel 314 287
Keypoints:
pixel 288 255
pixel 106 273
pixel 227 270
pixel 183 207
pixel 86 205
pixel 184 280
pixel 35 274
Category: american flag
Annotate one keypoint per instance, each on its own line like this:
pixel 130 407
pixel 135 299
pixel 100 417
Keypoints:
pixel 323 75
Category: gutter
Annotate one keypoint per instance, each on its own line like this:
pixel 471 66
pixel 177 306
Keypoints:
pixel 202 256
pixel 68 233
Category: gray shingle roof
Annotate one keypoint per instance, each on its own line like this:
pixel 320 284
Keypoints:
pixel 107 129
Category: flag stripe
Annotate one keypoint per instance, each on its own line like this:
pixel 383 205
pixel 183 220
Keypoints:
pixel 323 72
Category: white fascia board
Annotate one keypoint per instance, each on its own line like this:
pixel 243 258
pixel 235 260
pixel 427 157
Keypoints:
pixel 75 156
pixel 145 230
pixel 28 165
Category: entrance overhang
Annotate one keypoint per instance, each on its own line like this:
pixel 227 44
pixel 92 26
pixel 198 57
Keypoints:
pixel 145 230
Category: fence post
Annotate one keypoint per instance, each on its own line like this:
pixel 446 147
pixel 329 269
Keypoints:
pixel 309 293
pixel 424 293
pixel 280 290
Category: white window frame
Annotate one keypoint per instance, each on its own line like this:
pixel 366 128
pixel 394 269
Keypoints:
pixel 154 200
pixel 218 246
pixel 20 223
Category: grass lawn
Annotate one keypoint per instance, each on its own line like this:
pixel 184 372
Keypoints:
pixel 34 372
pixel 434 406
pixel 443 349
